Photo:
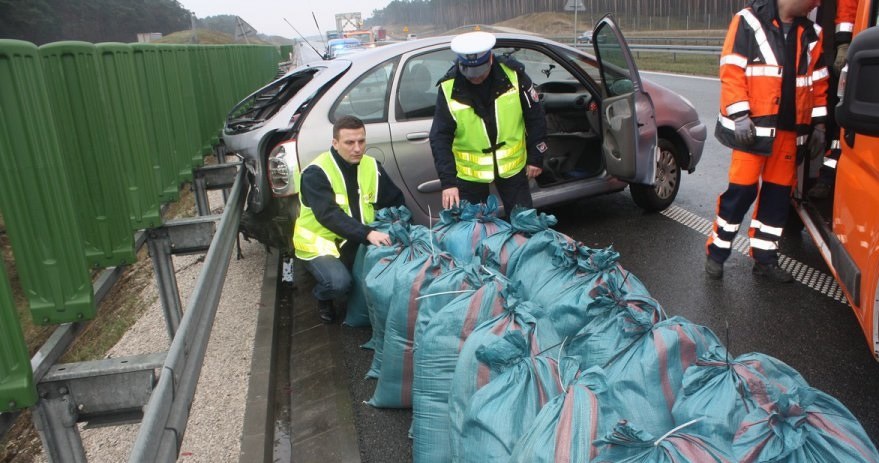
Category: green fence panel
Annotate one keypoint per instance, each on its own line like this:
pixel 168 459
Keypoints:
pixel 149 68
pixel 224 94
pixel 286 52
pixel 90 161
pixel 204 92
pixel 183 54
pixel 17 388
pixel 35 197
pixel 127 116
pixel 182 132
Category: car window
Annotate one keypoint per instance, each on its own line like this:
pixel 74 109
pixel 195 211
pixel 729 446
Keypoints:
pixel 540 67
pixel 586 63
pixel 416 94
pixel 618 79
pixel 367 97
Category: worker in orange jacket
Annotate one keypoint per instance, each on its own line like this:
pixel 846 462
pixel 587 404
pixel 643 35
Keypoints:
pixel 845 25
pixel 773 104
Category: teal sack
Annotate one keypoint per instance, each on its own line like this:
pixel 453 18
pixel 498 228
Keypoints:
pixel 804 425
pixel 567 426
pixel 629 444
pixel 462 228
pixel 495 251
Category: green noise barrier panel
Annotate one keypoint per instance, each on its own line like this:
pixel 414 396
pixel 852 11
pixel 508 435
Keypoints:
pixel 35 198
pixel 149 68
pixel 17 388
pixel 127 116
pixel 90 152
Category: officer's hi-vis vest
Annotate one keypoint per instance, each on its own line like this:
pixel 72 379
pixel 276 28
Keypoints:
pixel 751 72
pixel 474 161
pixel 310 238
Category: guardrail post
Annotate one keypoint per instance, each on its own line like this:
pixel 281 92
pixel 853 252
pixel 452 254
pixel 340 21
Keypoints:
pixel 55 419
pixel 159 245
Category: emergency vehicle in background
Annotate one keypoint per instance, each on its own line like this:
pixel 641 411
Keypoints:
pixel 846 227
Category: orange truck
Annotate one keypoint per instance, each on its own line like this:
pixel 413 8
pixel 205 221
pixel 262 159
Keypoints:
pixel 845 227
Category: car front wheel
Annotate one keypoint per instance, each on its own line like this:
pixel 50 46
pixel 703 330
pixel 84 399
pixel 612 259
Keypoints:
pixel 662 193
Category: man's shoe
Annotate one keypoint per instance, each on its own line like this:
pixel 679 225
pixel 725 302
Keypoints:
pixel 820 190
pixel 772 272
pixel 713 268
pixel 326 311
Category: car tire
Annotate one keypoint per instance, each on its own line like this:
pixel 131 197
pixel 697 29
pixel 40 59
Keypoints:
pixel 657 197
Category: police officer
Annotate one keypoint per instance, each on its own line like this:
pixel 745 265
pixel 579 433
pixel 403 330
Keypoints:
pixel 339 193
pixel 488 126
pixel 773 103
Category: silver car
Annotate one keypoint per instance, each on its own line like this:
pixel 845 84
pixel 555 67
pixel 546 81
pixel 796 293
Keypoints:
pixel 607 128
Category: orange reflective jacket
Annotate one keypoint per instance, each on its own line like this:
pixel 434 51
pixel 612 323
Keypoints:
pixel 751 66
pixel 845 20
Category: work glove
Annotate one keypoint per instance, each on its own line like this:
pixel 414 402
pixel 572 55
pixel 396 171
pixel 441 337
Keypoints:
pixel 816 146
pixel 839 62
pixel 745 131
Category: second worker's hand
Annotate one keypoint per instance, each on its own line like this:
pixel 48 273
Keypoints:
pixel 451 197
pixel 378 238
pixel 533 171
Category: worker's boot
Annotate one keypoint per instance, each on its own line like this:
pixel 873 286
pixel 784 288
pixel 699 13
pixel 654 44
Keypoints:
pixel 713 268
pixel 772 272
pixel 326 311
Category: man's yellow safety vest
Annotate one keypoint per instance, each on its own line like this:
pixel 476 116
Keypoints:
pixel 472 149
pixel 310 238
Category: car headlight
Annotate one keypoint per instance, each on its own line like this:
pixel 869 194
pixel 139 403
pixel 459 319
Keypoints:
pixel 284 169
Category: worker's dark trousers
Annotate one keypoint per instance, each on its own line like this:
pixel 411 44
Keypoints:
pixel 513 191
pixel 332 274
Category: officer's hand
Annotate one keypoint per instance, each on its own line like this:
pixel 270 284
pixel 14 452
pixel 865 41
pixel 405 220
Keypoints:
pixel 745 131
pixel 817 142
pixel 378 238
pixel 532 171
pixel 839 62
pixel 450 197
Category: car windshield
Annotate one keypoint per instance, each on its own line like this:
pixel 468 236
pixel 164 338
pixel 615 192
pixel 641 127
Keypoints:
pixel 262 105
pixel 539 67
pixel 590 67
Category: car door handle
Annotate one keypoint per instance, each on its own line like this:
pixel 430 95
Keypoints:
pixel 432 186
pixel 417 136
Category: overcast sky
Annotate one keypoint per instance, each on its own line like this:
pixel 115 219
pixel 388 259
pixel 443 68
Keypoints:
pixel 267 16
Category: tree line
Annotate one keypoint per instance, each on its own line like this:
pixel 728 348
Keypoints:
pixel 454 13
pixel 44 21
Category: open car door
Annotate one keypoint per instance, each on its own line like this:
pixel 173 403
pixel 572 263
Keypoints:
pixel 628 125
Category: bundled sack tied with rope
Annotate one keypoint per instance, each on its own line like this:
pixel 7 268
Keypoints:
pixel 567 426
pixel 416 247
pixel 461 228
pixel 436 354
pixel 627 443
pixel 368 257
pixel 495 251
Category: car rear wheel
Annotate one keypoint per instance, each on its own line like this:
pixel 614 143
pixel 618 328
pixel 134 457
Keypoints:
pixel 662 193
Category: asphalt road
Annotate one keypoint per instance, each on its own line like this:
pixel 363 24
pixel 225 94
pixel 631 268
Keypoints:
pixel 812 331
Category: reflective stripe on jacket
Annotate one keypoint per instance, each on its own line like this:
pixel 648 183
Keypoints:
pixel 751 76
pixel 846 10
pixel 472 147
pixel 310 238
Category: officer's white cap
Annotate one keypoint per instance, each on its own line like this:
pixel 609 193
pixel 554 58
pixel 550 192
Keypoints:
pixel 472 47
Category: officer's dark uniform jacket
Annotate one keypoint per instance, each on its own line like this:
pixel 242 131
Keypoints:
pixel 317 193
pixel 756 80
pixel 442 133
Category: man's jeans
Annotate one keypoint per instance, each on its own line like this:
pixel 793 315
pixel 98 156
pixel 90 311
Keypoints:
pixel 333 275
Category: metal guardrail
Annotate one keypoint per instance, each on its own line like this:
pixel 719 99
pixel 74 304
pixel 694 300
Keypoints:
pixel 167 412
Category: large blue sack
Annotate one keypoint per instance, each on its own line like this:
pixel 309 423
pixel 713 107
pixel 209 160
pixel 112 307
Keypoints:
pixel 416 245
pixel 646 377
pixel 471 374
pixel 495 251
pixel 721 391
pixel 804 425
pixel 500 413
pixel 613 320
pixel 436 355
pixel 413 278
pixel 629 444
pixel 451 284
pixel 567 426
pixel 357 312
pixel 462 228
